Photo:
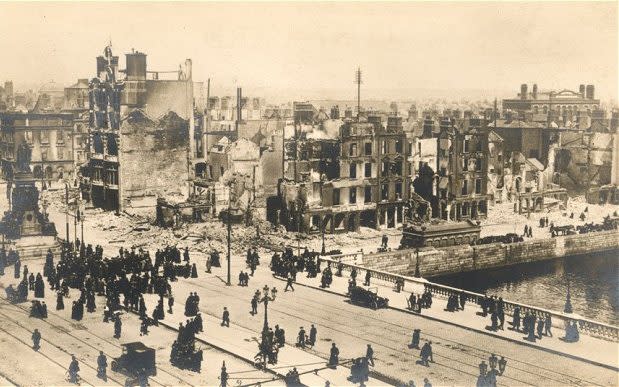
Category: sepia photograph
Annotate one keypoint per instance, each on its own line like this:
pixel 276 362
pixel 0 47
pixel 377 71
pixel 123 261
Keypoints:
pixel 309 193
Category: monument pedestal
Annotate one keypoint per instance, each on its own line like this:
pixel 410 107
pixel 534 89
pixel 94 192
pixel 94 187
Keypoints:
pixel 24 219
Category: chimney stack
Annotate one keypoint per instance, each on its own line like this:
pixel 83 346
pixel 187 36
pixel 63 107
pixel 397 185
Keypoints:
pixel 582 90
pixel 238 107
pixel 535 91
pixel 523 91
pixel 590 92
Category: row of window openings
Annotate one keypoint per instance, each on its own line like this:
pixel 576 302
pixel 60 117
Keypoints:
pixel 59 154
pixel 352 150
pixel 395 168
pixel 111 176
pixel 465 187
pixel 367 197
pixel 43 136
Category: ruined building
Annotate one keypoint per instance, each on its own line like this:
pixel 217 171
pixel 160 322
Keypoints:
pixel 140 133
pixel 456 187
pixel 363 181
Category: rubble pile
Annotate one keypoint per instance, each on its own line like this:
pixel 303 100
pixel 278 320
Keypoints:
pixel 502 219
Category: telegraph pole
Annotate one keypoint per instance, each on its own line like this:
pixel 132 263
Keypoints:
pixel 358 81
pixel 229 225
pixel 66 213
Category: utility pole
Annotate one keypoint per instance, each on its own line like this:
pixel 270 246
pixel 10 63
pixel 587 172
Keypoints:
pixel 358 81
pixel 283 147
pixel 66 213
pixel 207 117
pixel 495 112
pixel 229 225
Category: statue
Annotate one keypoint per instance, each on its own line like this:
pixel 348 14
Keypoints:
pixel 24 154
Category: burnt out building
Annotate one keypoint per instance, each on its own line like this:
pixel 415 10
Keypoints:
pixel 462 172
pixel 140 134
pixel 366 185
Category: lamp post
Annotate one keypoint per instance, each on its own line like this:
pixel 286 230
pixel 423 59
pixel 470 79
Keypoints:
pixel 232 186
pixel 323 250
pixel 66 212
pixel 568 301
pixel 80 215
pixel 265 299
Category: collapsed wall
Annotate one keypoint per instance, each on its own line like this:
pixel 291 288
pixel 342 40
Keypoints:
pixel 153 157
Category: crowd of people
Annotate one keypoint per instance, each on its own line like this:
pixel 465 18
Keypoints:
pixel 122 280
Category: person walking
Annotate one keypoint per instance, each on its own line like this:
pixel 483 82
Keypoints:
pixel 117 327
pixel 416 337
pixel 170 303
pixel 36 340
pixel 334 354
pixel 368 275
pixel 102 366
pixel 225 318
pixel 289 281
pixel 369 355
pixel 74 369
pixel 312 335
pixel 548 325
pixel 254 305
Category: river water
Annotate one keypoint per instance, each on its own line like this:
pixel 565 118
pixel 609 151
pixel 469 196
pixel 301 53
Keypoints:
pixel 593 281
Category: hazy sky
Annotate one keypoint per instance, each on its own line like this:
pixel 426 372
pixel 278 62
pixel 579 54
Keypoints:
pixel 314 48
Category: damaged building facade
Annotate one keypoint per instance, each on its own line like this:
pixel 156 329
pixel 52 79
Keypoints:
pixel 359 179
pixel 140 134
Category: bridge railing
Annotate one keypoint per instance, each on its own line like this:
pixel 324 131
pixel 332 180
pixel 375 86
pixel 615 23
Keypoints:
pixel 589 327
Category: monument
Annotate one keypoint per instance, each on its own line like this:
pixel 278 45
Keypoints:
pixel 24 218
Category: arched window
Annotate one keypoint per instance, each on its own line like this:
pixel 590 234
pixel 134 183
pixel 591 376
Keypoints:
pixel 112 146
pixel 97 143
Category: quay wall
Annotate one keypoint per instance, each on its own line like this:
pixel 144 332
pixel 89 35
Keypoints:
pixel 464 258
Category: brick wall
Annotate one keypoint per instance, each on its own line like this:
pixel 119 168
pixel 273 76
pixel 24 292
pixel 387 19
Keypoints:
pixel 456 259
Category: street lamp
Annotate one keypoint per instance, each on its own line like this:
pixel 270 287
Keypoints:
pixel 66 212
pixel 232 186
pixel 323 250
pixel 264 347
pixel 568 302
pixel 80 218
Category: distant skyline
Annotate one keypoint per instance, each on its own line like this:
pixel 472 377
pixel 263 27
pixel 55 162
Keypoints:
pixel 311 50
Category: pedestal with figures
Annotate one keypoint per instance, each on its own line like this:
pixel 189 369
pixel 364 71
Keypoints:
pixel 24 221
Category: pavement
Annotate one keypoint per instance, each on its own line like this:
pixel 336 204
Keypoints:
pixel 62 336
pixel 588 348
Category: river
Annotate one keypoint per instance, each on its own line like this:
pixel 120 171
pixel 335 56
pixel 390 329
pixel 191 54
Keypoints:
pixel 593 281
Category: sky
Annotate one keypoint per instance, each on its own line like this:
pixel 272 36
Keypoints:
pixel 311 50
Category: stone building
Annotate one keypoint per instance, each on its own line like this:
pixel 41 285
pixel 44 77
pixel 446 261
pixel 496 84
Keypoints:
pixel 364 183
pixel 556 103
pixel 50 138
pixel 462 172
pixel 140 134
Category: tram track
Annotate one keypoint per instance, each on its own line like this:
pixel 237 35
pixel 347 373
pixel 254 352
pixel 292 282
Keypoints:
pixel 63 367
pixel 524 367
pixel 77 338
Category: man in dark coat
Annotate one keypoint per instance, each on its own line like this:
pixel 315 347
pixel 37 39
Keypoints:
pixel 102 366
pixel 36 340
pixel 334 356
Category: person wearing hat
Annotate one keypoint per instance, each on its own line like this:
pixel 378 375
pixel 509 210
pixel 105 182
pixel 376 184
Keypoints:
pixel 416 337
pixel 369 355
pixel 301 338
